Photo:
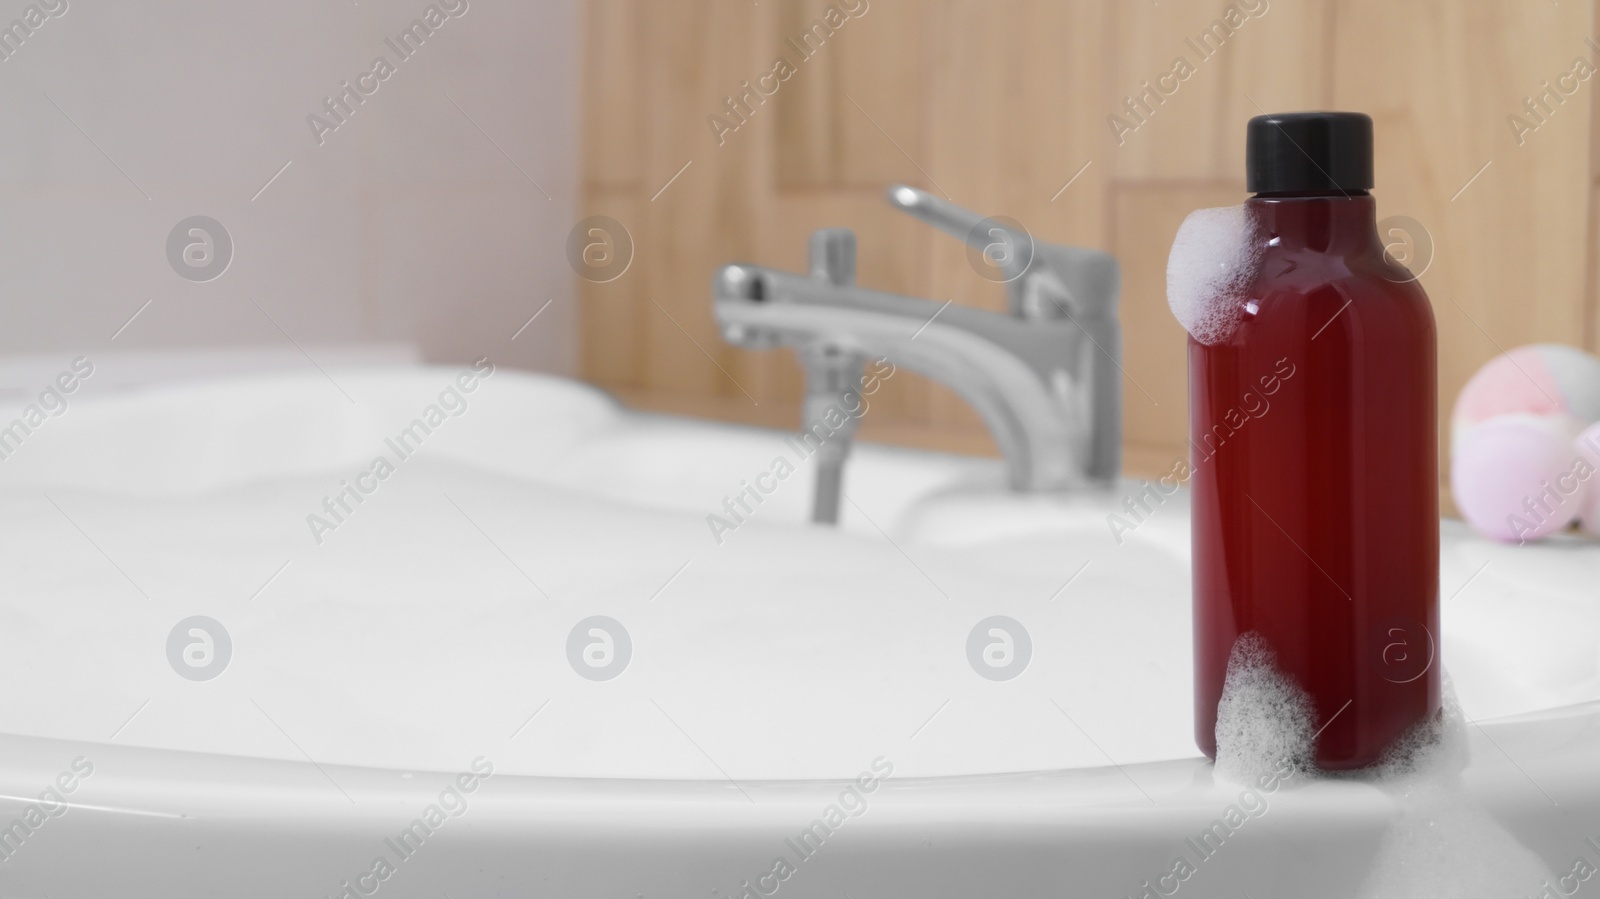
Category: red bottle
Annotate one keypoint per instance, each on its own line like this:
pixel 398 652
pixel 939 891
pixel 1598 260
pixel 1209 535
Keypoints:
pixel 1313 432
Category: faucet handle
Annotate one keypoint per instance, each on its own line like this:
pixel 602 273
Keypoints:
pixel 1042 280
pixel 833 256
pixel 964 224
pixel 941 214
pixel 1016 248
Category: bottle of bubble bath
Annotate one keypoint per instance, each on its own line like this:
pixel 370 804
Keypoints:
pixel 1313 446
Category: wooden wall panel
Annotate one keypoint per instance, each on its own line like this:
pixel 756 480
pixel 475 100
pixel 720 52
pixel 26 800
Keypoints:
pixel 703 200
pixel 838 115
pixel 613 334
pixel 1155 394
pixel 1195 80
pixel 1009 96
pixel 999 106
pixel 611 77
pixel 1508 227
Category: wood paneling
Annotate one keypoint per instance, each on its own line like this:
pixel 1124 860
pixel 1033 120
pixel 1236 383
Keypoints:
pixel 831 112
pixel 1009 97
pixel 611 77
pixel 610 339
pixel 998 106
pixel 1511 240
pixel 1201 78
pixel 1155 396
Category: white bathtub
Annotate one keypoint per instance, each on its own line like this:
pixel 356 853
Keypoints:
pixel 426 634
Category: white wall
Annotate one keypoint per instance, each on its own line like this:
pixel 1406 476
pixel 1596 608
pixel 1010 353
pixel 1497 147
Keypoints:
pixel 119 119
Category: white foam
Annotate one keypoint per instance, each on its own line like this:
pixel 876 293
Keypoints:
pixel 1264 718
pixel 1441 841
pixel 1433 751
pixel 1215 257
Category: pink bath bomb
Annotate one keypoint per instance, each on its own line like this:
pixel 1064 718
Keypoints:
pixel 1518 477
pixel 1540 379
pixel 1589 447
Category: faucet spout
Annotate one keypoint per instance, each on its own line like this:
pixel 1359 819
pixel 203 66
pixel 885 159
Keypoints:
pixel 1045 378
pixel 1016 374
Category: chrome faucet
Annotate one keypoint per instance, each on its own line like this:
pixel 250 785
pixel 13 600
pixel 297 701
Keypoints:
pixel 1045 378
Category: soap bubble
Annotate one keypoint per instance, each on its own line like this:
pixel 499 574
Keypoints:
pixel 1264 720
pixel 1441 840
pixel 1215 258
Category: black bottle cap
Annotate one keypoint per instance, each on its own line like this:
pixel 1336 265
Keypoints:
pixel 1302 152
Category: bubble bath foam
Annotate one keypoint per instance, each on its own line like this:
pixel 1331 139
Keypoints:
pixel 1313 437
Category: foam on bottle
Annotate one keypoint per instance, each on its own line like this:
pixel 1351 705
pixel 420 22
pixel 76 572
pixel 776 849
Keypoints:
pixel 1215 257
pixel 1264 718
pixel 1440 842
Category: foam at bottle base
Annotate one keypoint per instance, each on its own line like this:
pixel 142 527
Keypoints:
pixel 1441 841
pixel 1215 257
pixel 1264 718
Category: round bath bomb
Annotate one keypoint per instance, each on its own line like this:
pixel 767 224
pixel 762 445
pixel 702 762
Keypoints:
pixel 1540 379
pixel 1518 478
pixel 1515 470
pixel 1589 448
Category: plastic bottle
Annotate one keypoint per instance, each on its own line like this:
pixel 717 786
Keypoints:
pixel 1313 433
